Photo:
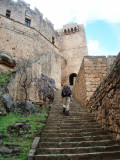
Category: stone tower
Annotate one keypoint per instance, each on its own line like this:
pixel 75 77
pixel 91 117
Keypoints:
pixel 73 47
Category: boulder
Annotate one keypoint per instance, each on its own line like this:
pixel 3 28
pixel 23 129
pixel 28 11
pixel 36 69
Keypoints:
pixel 46 88
pixel 8 103
pixel 6 59
pixel 2 109
pixel 25 108
pixel 19 128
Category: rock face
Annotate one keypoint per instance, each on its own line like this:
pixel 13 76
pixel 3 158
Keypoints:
pixel 7 60
pixel 105 102
pixel 41 88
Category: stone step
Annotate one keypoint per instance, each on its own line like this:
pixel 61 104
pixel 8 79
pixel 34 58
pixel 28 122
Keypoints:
pixel 58 123
pixel 76 139
pixel 69 124
pixel 70 121
pixel 73 130
pixel 77 110
pixel 77 150
pixel 72 126
pixel 73 134
pixel 76 144
pixel 71 110
pixel 71 116
pixel 83 156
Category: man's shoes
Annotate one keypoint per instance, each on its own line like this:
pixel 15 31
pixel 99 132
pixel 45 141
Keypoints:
pixel 63 110
pixel 67 113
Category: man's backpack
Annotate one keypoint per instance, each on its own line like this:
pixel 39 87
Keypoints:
pixel 66 91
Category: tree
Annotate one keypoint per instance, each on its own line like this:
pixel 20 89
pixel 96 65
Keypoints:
pixel 25 76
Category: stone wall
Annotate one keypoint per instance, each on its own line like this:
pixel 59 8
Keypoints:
pixel 72 44
pixel 79 88
pixel 91 73
pixel 105 102
pixel 20 10
pixel 22 41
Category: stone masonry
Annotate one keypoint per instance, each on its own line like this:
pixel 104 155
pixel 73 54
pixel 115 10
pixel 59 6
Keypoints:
pixel 21 11
pixel 105 102
pixel 91 73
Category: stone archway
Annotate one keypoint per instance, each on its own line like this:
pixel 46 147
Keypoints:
pixel 72 78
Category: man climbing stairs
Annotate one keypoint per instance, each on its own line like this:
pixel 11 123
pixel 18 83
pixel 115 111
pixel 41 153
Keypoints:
pixel 75 137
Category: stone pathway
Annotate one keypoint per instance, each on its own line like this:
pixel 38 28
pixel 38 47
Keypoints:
pixel 75 137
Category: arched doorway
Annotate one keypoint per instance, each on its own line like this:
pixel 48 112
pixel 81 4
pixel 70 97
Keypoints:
pixel 72 78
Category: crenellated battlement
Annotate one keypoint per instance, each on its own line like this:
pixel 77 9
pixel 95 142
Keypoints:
pixel 70 28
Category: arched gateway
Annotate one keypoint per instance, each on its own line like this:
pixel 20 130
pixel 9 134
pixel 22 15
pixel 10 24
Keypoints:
pixel 72 78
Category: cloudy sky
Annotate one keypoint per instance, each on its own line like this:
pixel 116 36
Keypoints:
pixel 100 17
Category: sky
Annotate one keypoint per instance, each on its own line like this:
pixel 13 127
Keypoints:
pixel 101 19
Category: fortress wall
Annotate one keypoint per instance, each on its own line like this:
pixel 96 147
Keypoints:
pixel 24 42
pixel 73 47
pixel 105 102
pixel 91 73
pixel 21 10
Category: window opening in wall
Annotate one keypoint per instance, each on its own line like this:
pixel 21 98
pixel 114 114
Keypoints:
pixel 72 78
pixel 53 40
pixel 71 29
pixel 27 22
pixel 75 29
pixel 65 31
pixel 8 12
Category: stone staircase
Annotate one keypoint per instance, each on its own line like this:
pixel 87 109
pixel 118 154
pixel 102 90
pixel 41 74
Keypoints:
pixel 75 137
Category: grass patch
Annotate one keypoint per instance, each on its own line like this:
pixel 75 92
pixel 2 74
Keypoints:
pixel 22 141
pixel 5 78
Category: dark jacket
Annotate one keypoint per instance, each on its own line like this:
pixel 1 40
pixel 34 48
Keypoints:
pixel 63 95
